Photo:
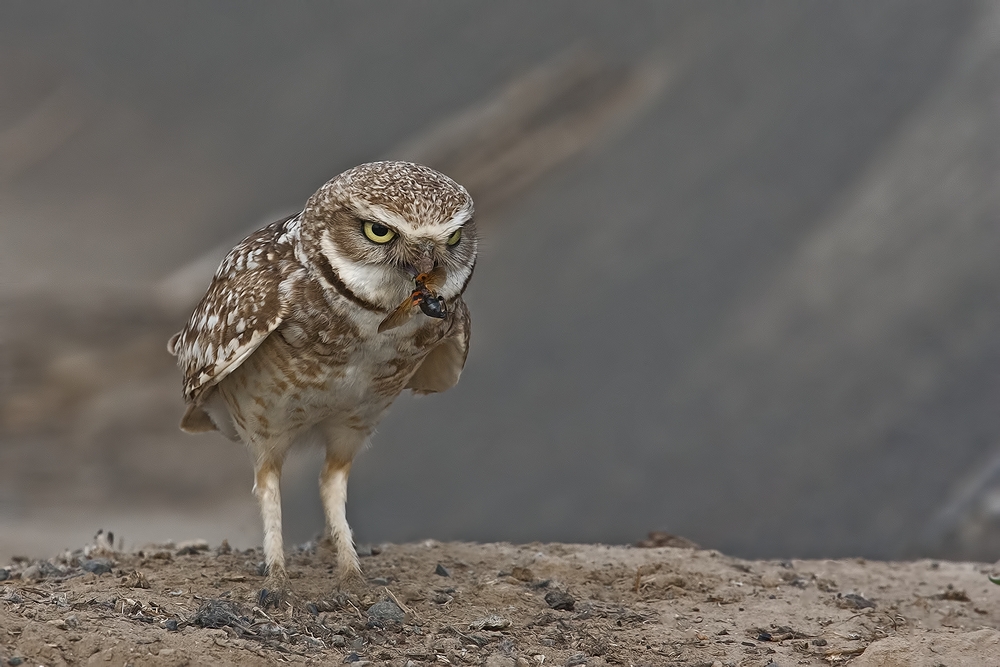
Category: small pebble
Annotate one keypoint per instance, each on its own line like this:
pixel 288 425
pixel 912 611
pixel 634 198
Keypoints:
pixel 499 660
pixel 854 601
pixel 217 614
pixel 271 630
pixel 170 624
pixel 328 621
pixel 15 661
pixel 442 571
pixel 560 600
pixel 4 574
pixel 493 622
pixel 135 579
pixel 190 547
pixel 98 566
pixel 386 611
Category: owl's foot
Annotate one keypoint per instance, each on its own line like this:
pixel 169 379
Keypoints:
pixel 271 598
pixel 352 581
pixel 276 592
pixel 346 558
pixel 351 590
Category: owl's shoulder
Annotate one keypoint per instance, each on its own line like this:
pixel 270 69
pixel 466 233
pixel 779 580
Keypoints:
pixel 245 302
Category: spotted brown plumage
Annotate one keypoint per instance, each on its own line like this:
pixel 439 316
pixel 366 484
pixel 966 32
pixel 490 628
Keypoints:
pixel 285 345
pixel 241 308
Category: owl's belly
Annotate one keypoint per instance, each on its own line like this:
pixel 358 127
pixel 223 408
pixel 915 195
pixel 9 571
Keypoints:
pixel 282 389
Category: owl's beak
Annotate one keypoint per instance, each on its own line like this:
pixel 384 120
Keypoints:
pixel 424 260
pixel 424 264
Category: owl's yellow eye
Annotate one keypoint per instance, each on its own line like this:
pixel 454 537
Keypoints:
pixel 379 233
pixel 455 236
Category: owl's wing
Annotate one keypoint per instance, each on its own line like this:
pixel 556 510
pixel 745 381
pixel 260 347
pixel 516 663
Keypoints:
pixel 243 305
pixel 442 367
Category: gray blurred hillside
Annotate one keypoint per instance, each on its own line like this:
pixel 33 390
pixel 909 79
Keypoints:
pixel 739 279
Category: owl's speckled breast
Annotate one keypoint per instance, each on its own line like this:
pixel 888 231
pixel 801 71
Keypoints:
pixel 316 369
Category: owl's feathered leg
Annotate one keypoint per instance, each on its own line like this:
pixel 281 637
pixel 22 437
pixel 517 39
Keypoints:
pixel 343 442
pixel 267 489
pixel 333 490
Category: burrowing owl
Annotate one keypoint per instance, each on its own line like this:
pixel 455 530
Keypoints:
pixel 313 325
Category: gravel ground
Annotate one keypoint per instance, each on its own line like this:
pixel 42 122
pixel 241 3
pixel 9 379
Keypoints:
pixel 496 604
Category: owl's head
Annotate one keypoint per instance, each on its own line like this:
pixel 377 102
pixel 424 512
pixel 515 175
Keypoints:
pixel 378 225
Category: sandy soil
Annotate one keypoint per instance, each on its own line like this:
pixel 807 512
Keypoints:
pixel 496 604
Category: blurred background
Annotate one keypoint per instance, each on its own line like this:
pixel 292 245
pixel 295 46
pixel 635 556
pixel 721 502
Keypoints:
pixel 739 277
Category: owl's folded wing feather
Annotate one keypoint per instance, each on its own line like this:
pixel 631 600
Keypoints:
pixel 442 367
pixel 243 305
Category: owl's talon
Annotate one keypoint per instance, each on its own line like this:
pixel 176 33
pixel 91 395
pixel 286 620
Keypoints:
pixel 275 592
pixel 353 585
pixel 269 598
pixel 280 598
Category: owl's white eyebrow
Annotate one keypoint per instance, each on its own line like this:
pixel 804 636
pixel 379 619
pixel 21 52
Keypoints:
pixel 460 218
pixel 447 227
pixel 370 212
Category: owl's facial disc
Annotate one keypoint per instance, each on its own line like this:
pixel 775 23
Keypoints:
pixel 415 246
pixel 377 251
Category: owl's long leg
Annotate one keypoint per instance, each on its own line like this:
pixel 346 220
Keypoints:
pixel 342 444
pixel 267 489
pixel 333 490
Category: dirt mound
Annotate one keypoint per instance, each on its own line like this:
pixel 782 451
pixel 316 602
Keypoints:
pixel 495 604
